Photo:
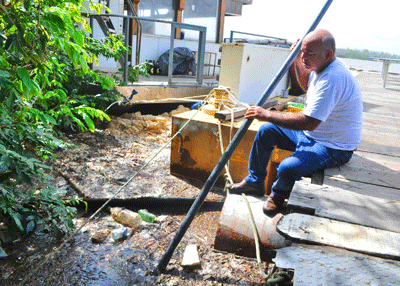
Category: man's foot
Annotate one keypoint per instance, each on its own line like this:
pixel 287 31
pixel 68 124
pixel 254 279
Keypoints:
pixel 244 188
pixel 270 206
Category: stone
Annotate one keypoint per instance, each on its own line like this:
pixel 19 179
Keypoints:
pixel 190 257
pixel 100 235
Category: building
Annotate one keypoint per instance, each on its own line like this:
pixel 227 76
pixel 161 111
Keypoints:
pixel 150 39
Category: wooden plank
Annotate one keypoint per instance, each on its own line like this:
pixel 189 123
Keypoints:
pixel 344 205
pixel 376 169
pixel 363 188
pixel 381 123
pixel 377 242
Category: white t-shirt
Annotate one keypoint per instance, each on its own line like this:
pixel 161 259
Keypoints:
pixel 334 97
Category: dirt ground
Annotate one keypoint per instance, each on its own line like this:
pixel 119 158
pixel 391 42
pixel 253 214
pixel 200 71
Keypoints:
pixel 99 167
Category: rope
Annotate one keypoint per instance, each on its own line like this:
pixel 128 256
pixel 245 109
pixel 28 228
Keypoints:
pixel 256 238
pixel 233 101
pixel 221 143
pixel 52 254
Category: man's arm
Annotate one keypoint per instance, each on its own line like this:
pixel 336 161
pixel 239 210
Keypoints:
pixel 294 121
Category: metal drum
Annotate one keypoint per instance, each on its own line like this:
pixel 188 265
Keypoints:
pixel 235 232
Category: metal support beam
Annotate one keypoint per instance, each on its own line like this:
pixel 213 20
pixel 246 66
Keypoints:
pixel 200 55
pixel 257 35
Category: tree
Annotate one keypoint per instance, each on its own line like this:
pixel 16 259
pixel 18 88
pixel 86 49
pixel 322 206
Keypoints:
pixel 44 50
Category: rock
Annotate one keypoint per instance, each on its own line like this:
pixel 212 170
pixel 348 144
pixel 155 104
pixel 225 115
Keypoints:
pixel 190 257
pixel 100 235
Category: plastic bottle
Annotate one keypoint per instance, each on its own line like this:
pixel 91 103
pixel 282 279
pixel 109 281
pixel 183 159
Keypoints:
pixel 146 216
pixel 126 217
pixel 119 234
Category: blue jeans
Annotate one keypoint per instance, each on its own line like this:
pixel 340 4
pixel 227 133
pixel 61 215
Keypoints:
pixel 308 157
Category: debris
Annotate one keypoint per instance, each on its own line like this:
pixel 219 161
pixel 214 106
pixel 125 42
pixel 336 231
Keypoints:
pixel 119 234
pixel 190 257
pixel 126 217
pixel 180 109
pixel 100 235
pixel 146 216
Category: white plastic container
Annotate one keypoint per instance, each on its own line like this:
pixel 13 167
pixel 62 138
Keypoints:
pixel 248 69
pixel 119 234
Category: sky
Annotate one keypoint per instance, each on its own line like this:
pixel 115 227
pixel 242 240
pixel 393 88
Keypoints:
pixel 355 24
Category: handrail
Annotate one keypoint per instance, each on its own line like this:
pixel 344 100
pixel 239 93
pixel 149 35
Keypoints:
pixel 201 47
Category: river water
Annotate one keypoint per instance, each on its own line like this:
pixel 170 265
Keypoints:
pixel 366 65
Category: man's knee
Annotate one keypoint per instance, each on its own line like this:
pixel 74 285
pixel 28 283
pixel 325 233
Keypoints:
pixel 292 168
pixel 267 128
pixel 267 133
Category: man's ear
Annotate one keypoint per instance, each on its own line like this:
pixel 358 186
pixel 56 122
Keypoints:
pixel 329 54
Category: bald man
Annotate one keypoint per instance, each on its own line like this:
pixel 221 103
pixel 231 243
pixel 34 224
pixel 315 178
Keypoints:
pixel 323 135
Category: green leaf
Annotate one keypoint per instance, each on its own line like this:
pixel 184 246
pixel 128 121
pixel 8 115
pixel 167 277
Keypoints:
pixel 50 119
pixel 17 219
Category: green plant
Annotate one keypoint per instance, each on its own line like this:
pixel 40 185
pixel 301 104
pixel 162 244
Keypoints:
pixel 45 53
pixel 140 69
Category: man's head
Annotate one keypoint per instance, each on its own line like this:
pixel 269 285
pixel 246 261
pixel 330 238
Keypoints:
pixel 318 50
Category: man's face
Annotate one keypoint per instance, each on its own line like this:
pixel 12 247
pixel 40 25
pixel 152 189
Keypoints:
pixel 313 55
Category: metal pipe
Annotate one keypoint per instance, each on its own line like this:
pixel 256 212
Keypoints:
pixel 126 25
pixel 231 148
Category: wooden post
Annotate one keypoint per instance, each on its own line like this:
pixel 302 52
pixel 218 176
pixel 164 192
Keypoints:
pixel 134 23
pixel 221 20
pixel 181 7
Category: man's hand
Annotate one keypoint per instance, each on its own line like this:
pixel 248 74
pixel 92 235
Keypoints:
pixel 294 121
pixel 257 112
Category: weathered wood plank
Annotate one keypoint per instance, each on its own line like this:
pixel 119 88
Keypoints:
pixel 344 205
pixel 345 235
pixel 381 123
pixel 376 169
pixel 363 188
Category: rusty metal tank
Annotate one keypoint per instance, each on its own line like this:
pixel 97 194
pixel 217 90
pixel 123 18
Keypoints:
pixel 235 230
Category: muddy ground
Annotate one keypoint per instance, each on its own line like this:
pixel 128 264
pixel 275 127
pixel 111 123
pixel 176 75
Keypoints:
pixel 100 166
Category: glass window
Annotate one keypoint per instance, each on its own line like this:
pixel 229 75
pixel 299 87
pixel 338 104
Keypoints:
pixel 196 12
pixel 201 13
pixel 158 10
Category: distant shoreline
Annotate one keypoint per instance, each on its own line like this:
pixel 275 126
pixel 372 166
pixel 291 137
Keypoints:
pixel 369 66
